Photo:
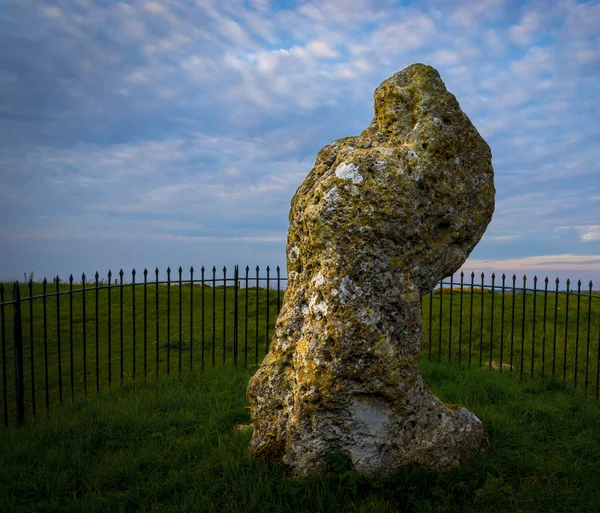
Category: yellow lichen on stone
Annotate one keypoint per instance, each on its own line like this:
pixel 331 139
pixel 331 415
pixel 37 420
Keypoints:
pixel 378 221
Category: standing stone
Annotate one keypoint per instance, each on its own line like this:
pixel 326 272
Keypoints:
pixel 378 221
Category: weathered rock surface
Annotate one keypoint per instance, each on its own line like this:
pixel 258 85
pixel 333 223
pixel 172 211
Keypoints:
pixel 379 220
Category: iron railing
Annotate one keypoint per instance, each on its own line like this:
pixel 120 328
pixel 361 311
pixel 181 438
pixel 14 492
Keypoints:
pixel 208 318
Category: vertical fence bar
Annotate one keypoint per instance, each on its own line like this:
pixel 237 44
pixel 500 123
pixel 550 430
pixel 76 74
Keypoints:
pixel 202 314
pixel 460 316
pixel 3 334
pixel 544 326
pixel 430 322
pixel 44 285
pixel 267 326
pixel 121 321
pixel 235 314
pixel 566 332
pixel 471 319
pixel 97 276
pixel 84 333
pixel 224 311
pixel 278 290
pixel 156 317
pixel 512 321
pixel 18 347
pixel 492 321
pixel 440 325
pixel 168 321
pixel 30 346
pixel 450 328
pixel 523 325
pixel 555 323
pixel 191 317
pixel 577 332
pixel 60 388
pixel 587 345
pixel 246 320
pixel 502 321
pixel 109 331
pixel 481 324
pixel 533 324
pixel 256 315
pixel 145 322
pixel 133 320
pixel 71 337
pixel 214 321
pixel 180 270
pixel 598 363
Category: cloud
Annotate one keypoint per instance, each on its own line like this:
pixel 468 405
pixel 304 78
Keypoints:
pixel 528 29
pixel 213 111
pixel 413 32
pixel 582 19
pixel 539 263
pixel 470 12
pixel 444 57
pixel 589 233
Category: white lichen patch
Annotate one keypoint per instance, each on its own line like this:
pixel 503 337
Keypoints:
pixel 348 172
pixel 348 290
pixel 294 253
pixel 381 164
pixel 457 160
pixel 319 280
pixel 332 196
pixel 318 309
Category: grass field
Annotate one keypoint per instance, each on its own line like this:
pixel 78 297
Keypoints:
pixel 109 342
pixel 166 330
pixel 534 334
pixel 171 446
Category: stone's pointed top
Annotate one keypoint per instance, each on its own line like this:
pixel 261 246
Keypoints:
pixel 417 73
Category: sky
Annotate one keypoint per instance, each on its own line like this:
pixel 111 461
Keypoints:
pixel 175 133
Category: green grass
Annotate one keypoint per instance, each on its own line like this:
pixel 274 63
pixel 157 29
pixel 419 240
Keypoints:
pixel 170 446
pixel 196 345
pixel 566 343
pixel 194 340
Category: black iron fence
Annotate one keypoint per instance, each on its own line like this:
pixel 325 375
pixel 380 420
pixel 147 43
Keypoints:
pixel 70 339
pixel 523 329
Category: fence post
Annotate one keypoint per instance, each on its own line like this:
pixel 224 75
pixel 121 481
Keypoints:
pixel 235 314
pixel 18 333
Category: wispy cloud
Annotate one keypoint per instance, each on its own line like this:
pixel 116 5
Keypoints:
pixel 119 118
pixel 589 233
pixel 538 263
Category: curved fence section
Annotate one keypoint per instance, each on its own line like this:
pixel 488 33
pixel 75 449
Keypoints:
pixel 63 340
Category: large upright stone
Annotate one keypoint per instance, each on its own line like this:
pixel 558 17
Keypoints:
pixel 379 220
